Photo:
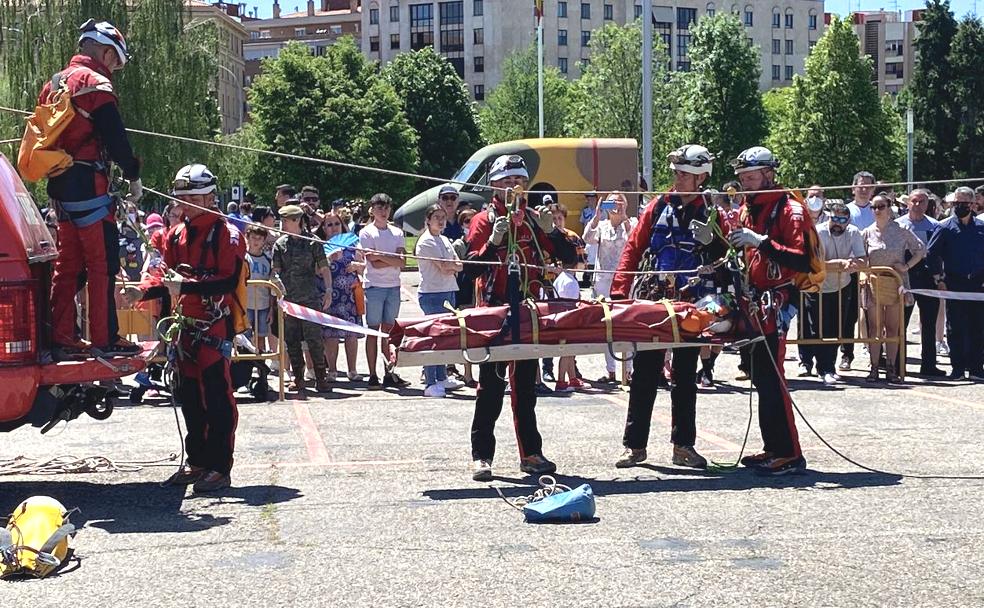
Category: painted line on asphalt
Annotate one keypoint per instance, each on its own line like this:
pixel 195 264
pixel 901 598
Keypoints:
pixel 950 400
pixel 708 437
pixel 349 463
pixel 317 452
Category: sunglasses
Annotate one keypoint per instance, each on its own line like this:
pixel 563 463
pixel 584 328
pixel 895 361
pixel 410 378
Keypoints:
pixel 839 219
pixel 333 224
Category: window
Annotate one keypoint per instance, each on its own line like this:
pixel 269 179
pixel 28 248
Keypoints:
pixel 254 35
pixel 813 21
pixel 686 16
pixel 813 43
pixel 893 48
pixel 751 41
pixel 395 13
pixel 394 42
pixel 300 32
pixel 585 38
pixel 683 66
pixel 479 64
pixel 749 17
pixel 373 16
pixel 776 46
pixel 478 36
pixel 585 10
pixel 374 44
pixel 335 29
pixel 458 63
pixel 478 8
pixel 419 40
pixel 479 92
pixel 776 19
pixel 775 72
pixel 562 65
pixel 421 26
pixel 584 64
pixel 637 11
pixel 789 47
pixel 320 50
pixel 789 72
pixel 710 9
pixel 609 12
pixel 683 45
pixel 561 37
pixel 452 13
pixel 789 20
pixel 664 29
pixel 562 10
pixel 894 70
pixel 452 41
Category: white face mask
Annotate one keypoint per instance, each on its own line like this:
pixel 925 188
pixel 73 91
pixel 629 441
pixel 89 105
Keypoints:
pixel 815 203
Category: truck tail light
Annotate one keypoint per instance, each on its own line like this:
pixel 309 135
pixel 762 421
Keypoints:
pixel 18 324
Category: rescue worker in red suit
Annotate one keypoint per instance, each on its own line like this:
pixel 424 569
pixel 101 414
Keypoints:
pixel 488 240
pixel 664 232
pixel 772 235
pixel 88 238
pixel 206 255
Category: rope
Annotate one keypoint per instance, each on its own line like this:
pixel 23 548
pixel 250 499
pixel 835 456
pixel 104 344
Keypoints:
pixel 347 165
pixel 68 464
pixel 548 487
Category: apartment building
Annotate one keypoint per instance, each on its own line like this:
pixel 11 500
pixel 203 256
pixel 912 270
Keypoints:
pixel 476 35
pixel 888 39
pixel 230 78
pixel 318 26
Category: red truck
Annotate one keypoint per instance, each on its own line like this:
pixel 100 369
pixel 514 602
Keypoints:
pixel 34 389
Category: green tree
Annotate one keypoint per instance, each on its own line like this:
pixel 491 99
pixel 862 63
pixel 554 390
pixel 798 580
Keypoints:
pixel 335 107
pixel 967 92
pixel 172 69
pixel 777 103
pixel 511 110
pixel 607 98
pixel 723 103
pixel 836 124
pixel 439 109
pixel 934 109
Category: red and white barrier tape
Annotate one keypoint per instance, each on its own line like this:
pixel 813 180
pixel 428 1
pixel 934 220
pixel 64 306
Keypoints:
pixel 314 316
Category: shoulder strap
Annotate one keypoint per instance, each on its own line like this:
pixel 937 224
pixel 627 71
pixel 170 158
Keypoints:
pixel 56 537
pixel 213 240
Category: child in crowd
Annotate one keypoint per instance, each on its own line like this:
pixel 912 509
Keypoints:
pixel 258 306
pixel 566 286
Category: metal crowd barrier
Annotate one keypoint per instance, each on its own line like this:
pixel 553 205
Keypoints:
pixel 142 324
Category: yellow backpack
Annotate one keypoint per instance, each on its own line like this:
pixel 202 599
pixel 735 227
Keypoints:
pixel 35 541
pixel 39 155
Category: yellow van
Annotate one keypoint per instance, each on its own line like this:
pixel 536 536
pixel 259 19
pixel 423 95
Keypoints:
pixel 554 164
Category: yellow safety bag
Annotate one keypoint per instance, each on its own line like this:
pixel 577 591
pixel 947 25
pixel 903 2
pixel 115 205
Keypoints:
pixel 35 541
pixel 39 155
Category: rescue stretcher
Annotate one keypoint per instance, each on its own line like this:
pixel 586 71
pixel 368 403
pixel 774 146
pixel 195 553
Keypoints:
pixel 553 328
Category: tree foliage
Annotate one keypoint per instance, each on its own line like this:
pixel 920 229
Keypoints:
pixel 511 110
pixel 724 107
pixel 967 92
pixel 836 124
pixel 439 109
pixel 335 107
pixel 607 99
pixel 165 87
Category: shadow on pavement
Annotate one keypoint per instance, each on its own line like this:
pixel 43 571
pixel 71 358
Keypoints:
pixel 138 507
pixel 683 481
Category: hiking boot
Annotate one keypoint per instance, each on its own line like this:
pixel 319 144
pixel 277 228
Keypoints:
pixel 687 456
pixel 537 465
pixel 211 482
pixel 782 465
pixel 631 457
pixel 121 348
pixel 184 476
pixel 754 460
pixel 956 374
pixel 70 352
pixel 482 470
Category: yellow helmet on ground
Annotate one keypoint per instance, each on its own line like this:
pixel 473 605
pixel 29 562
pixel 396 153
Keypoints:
pixel 35 541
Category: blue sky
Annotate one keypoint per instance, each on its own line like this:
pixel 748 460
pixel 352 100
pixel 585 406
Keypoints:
pixel 842 7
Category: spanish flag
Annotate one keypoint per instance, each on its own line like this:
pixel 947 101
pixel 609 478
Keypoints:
pixel 538 10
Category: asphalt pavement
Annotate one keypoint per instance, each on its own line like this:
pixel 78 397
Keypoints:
pixel 365 499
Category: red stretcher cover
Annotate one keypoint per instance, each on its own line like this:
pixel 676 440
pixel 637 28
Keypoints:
pixel 547 329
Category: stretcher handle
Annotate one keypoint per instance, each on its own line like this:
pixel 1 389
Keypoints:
pixel 488 355
pixel 611 351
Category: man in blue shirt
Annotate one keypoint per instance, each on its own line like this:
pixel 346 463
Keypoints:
pixel 862 216
pixel 920 277
pixel 956 254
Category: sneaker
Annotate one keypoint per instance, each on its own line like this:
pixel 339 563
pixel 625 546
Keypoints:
pixel 804 370
pixel 322 386
pixel 331 376
pixel 354 377
pixel 956 374
pixel 577 384
pixel 943 349
pixel 451 384
pixel 184 476
pixel 70 352
pixel 541 390
pixel 976 376
pixel 932 372
pixel 754 460
pixel 373 382
pixel 687 456
pixel 548 376
pixel 120 348
pixel 391 380
pixel 631 457
pixel 537 465
pixel 563 387
pixel 482 470
pixel 434 390
pixel 211 482
pixel 705 381
pixel 831 379
pixel 606 379
pixel 782 465
pixel 845 363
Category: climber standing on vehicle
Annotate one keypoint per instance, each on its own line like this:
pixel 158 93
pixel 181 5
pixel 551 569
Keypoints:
pixel 88 238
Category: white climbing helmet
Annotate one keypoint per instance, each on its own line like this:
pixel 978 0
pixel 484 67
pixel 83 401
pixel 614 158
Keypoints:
pixel 754 159
pixel 691 158
pixel 194 179
pixel 106 33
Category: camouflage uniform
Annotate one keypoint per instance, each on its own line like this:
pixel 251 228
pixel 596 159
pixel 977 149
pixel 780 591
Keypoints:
pixel 296 261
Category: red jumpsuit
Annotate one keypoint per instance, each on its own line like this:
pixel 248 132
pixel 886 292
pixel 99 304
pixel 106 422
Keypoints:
pixel 209 253
pixel 88 238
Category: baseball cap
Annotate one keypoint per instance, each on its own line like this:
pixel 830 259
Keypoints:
pixel 447 189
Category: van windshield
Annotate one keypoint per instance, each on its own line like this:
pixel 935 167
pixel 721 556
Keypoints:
pixel 466 174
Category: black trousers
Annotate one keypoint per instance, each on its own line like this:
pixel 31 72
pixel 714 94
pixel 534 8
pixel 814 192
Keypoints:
pixel 488 406
pixel 647 367
pixel 929 308
pixel 210 416
pixel 965 333
pixel 850 304
pixel 825 315
pixel 810 318
pixel 775 407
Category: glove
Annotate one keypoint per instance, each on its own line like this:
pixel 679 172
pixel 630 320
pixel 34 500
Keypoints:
pixel 499 230
pixel 460 249
pixel 743 237
pixel 544 219
pixel 136 191
pixel 173 283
